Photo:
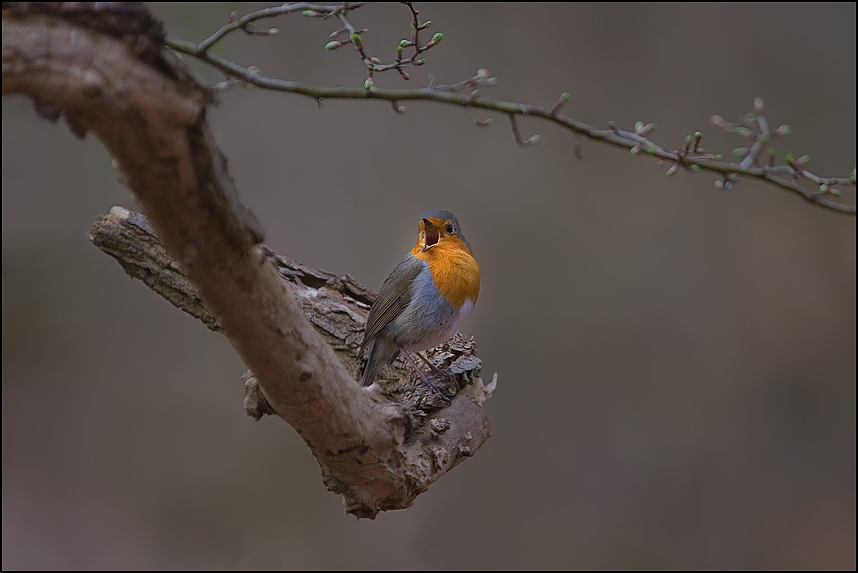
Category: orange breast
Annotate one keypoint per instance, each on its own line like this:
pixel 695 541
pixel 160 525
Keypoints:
pixel 454 270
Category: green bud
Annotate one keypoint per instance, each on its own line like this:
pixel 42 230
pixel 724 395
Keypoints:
pixel 426 24
pixel 565 96
pixel 743 131
pixel 688 140
pixel 635 150
pixel 695 168
pixel 420 62
pixel 357 41
pixel 740 151
pixel 763 138
pixel 783 131
pixel 823 188
pixel 671 171
pixel 333 45
pixel 804 159
pixel 772 152
pixel 437 37
pixel 790 158
pixel 308 13
pixel 698 135
pixel 852 179
pixel 651 150
pixel 368 84
pixel 612 125
pixel 719 157
pixel 403 43
pixel 476 93
pixel 638 126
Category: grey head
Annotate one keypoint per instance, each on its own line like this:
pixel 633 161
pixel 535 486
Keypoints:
pixel 451 218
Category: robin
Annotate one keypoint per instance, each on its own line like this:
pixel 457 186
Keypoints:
pixel 425 299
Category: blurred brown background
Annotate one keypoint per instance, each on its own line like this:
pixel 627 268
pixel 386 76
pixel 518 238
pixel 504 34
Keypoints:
pixel 677 363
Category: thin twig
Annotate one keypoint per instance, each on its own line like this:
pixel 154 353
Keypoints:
pixel 692 158
pixel 322 10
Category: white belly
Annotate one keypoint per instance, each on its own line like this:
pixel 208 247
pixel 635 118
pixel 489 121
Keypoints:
pixel 447 334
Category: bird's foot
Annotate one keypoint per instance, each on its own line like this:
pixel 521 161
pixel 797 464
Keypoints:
pixel 437 374
pixel 441 374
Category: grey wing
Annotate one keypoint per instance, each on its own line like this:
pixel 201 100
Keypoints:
pixel 392 298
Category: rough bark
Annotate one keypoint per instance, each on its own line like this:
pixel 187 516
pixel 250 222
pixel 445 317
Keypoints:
pixel 102 68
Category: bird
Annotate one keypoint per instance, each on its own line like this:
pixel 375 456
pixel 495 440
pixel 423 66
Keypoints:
pixel 425 298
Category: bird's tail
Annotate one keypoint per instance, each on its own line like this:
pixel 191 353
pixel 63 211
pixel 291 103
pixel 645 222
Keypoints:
pixel 381 353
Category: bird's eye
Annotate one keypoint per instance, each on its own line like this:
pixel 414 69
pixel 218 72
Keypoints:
pixel 449 228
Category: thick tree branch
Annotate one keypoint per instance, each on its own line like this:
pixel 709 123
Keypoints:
pixel 142 104
pixel 335 305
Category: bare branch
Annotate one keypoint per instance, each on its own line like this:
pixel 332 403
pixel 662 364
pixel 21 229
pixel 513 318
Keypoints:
pixel 314 10
pixel 828 188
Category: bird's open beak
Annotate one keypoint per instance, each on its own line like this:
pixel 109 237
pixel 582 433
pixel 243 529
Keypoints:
pixel 432 234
